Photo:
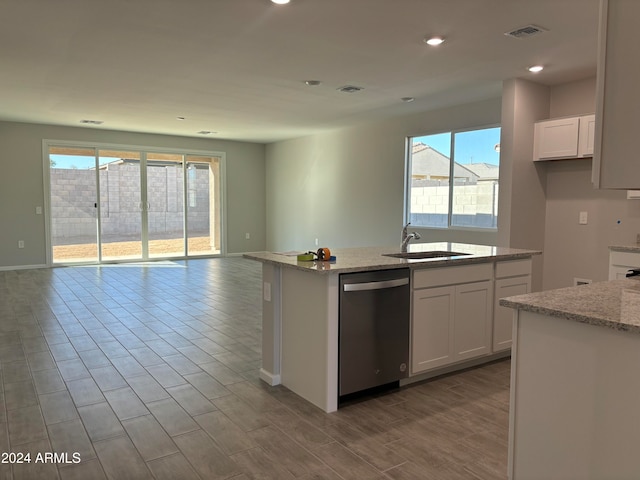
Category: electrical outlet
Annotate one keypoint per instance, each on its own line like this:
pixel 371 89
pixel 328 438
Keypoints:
pixel 247 235
pixel 38 210
pixel 266 291
pixel 317 242
pixel 20 243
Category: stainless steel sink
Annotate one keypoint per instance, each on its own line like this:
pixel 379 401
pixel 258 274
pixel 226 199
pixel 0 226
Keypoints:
pixel 431 254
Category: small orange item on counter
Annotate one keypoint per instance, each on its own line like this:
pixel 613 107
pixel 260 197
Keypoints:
pixel 324 254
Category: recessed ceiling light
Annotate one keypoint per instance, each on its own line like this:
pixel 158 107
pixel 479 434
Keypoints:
pixel 312 83
pixel 280 2
pixel 536 68
pixel 180 118
pixel 407 99
pixel 433 41
pixel 206 132
pixel 92 122
pixel 350 89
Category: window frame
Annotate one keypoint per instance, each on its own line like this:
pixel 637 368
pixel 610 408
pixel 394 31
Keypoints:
pixel 408 179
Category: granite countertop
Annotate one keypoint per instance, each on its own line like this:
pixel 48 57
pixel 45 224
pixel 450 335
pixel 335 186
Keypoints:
pixel 614 304
pixel 372 258
pixel 625 248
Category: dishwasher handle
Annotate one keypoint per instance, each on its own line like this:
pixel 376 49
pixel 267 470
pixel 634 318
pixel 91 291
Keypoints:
pixel 356 287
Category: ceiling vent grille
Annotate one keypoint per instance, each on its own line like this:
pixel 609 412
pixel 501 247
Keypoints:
pixel 526 31
pixel 350 89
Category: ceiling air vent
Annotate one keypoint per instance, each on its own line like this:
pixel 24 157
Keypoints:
pixel 92 122
pixel 526 31
pixel 350 89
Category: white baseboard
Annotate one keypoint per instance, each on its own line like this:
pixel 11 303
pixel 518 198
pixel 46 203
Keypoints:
pixel 22 267
pixel 269 377
pixel 455 367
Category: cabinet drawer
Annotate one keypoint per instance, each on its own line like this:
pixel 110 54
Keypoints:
pixel 513 268
pixel 626 259
pixel 434 277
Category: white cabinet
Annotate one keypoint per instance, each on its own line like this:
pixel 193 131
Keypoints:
pixel 615 163
pixel 432 328
pixel 472 320
pixel 451 315
pixel 621 262
pixel 512 278
pixel 586 136
pixel 562 138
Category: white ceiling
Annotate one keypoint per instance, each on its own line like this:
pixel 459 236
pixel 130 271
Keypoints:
pixel 237 67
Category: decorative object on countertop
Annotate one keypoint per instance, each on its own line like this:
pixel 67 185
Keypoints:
pixel 322 254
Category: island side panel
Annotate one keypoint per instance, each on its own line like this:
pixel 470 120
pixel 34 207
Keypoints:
pixel 574 400
pixel 271 305
pixel 309 362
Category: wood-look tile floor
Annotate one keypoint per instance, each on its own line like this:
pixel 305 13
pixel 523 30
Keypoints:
pixel 151 371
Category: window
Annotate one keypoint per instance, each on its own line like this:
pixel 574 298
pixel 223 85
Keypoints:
pixel 108 203
pixel 472 159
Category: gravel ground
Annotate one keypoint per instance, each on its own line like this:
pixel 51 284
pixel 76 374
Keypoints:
pixel 131 249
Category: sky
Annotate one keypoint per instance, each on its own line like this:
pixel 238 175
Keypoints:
pixel 476 146
pixel 75 161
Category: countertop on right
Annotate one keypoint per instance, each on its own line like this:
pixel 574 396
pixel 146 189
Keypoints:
pixel 625 248
pixel 614 304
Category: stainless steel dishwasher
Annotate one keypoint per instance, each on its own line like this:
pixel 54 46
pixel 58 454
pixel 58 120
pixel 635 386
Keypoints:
pixel 374 329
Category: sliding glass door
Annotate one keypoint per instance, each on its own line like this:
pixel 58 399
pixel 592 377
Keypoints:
pixel 203 205
pixel 125 205
pixel 165 205
pixel 73 207
pixel 121 205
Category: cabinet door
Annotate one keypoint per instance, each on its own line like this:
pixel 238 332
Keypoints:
pixel 616 272
pixel 615 163
pixel 503 316
pixel 621 262
pixel 473 320
pixel 432 328
pixel 555 139
pixel 586 135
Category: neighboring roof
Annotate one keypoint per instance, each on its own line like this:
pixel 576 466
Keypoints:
pixel 430 162
pixel 484 171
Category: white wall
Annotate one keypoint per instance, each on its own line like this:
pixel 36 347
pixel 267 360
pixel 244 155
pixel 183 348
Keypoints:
pixel 582 251
pixel 22 188
pixel 573 250
pixel 346 187
pixel 521 211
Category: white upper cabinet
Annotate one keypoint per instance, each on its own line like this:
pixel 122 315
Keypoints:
pixel 563 138
pixel 616 165
pixel 586 136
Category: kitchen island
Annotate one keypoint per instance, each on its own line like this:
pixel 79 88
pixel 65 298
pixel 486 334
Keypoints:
pixel 301 308
pixel 575 386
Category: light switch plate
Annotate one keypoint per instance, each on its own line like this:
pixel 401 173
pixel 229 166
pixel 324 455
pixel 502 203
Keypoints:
pixel 266 290
pixel 583 218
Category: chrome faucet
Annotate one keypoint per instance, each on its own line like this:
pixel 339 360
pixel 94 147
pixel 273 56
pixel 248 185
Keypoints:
pixel 407 237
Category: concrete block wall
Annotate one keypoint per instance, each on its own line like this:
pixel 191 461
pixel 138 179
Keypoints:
pixel 473 205
pixel 73 197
